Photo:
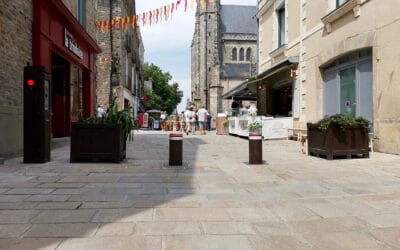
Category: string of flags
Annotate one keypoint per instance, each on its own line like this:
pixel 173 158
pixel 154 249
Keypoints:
pixel 151 17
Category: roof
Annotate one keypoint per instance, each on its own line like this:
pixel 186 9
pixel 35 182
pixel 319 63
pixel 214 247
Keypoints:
pixel 238 19
pixel 235 70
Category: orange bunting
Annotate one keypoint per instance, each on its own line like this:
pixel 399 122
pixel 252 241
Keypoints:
pixel 151 17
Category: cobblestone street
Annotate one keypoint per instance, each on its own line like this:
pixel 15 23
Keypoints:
pixel 216 201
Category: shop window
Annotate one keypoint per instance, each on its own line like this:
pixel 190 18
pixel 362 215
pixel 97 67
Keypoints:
pixel 234 54
pixel 76 91
pixel 81 11
pixel 241 55
pixel 248 54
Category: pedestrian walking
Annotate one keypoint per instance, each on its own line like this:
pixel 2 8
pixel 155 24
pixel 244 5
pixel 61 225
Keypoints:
pixel 209 118
pixel 189 114
pixel 202 118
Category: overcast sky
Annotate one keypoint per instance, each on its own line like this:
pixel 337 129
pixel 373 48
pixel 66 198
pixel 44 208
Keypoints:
pixel 167 44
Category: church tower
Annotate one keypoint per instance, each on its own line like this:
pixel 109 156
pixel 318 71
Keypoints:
pixel 206 87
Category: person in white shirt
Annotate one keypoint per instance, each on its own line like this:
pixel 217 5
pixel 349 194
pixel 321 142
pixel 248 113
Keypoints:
pixel 189 115
pixel 100 111
pixel 202 114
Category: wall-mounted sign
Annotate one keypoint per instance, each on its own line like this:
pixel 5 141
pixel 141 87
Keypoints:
pixel 72 45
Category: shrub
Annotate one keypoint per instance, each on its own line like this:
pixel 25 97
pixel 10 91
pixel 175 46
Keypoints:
pixel 343 121
pixel 114 116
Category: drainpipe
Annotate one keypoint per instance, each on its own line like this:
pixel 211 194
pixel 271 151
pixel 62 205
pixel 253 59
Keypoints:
pixel 111 55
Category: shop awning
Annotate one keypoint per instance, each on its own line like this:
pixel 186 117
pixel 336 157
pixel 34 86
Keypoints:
pixel 243 91
pixel 248 89
pixel 275 69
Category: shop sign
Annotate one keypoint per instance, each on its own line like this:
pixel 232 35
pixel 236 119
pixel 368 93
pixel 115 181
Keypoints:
pixel 72 45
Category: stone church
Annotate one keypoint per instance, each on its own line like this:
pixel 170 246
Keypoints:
pixel 224 53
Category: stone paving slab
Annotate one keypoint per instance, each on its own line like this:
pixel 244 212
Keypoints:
pixel 217 201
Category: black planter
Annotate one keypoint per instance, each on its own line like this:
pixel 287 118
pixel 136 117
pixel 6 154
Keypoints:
pixel 97 142
pixel 337 142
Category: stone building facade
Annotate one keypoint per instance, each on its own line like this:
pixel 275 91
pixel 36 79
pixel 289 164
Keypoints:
pixel 19 45
pixel 16 52
pixel 333 57
pixel 223 53
pixel 127 58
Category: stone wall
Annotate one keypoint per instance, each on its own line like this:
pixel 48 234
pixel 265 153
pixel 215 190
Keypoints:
pixel 15 50
pixel 127 54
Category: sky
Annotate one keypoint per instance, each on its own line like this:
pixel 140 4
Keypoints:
pixel 167 44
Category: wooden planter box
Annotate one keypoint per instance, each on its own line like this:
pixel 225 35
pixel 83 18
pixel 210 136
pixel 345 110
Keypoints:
pixel 97 142
pixel 337 142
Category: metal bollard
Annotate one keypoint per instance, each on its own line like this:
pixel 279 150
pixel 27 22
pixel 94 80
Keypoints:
pixel 175 149
pixel 255 148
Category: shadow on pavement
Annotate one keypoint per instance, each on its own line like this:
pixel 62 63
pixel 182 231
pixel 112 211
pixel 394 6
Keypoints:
pixel 44 206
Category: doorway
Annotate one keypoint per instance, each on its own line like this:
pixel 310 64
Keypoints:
pixel 60 114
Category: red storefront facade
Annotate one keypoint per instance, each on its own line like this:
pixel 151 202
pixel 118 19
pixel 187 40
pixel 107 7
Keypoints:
pixel 60 43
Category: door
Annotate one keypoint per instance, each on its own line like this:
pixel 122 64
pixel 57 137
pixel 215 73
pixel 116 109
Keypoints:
pixel 59 112
pixel 348 104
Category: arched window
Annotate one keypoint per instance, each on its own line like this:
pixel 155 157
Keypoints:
pixel 248 54
pixel 234 54
pixel 241 54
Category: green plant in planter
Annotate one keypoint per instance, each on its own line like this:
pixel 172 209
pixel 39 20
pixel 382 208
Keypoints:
pixel 255 126
pixel 114 116
pixel 343 121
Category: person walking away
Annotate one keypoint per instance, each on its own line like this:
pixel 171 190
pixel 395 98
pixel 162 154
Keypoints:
pixel 209 117
pixel 162 118
pixel 196 121
pixel 182 121
pixel 202 115
pixel 189 114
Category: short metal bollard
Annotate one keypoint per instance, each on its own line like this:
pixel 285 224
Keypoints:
pixel 255 148
pixel 175 149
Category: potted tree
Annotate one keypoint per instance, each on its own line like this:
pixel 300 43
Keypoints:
pixel 102 138
pixel 338 135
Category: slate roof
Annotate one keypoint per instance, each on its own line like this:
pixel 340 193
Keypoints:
pixel 234 70
pixel 238 19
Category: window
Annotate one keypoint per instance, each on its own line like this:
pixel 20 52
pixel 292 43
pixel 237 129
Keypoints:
pixel 348 86
pixel 234 54
pixel 241 55
pixel 281 26
pixel 81 11
pixel 248 54
pixel 340 3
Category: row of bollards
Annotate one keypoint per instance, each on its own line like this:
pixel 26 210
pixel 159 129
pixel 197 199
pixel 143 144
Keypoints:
pixel 176 144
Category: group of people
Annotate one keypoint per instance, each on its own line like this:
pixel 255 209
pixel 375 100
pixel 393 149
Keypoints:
pixel 192 120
